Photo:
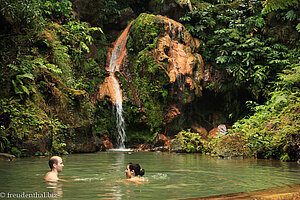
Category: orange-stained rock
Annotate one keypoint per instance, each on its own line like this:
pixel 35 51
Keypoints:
pixel 118 53
pixel 172 113
pixel 202 131
pixel 110 87
pixel 220 130
pixel 107 143
pixel 213 133
pixel 176 46
pixel 161 140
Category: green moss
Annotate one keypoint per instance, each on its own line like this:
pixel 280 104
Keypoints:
pixel 144 33
pixel 104 119
pixel 151 84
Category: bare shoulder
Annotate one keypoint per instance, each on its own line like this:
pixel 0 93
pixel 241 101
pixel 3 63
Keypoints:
pixel 136 180
pixel 51 176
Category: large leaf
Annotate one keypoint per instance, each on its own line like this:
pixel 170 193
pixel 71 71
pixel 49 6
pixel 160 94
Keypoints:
pixel 25 89
pixel 30 76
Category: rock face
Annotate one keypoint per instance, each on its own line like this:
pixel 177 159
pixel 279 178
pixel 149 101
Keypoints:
pixel 7 157
pixel 173 49
pixel 87 10
pixel 161 140
pixel 171 8
pixel 77 134
pixel 220 131
pixel 159 42
pixel 176 47
pixel 158 70
pixel 115 59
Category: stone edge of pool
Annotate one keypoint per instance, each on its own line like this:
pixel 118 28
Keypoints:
pixel 289 192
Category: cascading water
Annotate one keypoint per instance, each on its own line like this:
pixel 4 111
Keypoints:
pixel 118 110
pixel 118 54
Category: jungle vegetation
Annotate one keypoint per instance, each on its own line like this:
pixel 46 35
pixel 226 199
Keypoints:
pixel 53 58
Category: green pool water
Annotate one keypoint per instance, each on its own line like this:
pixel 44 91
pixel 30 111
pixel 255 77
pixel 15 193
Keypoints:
pixel 169 176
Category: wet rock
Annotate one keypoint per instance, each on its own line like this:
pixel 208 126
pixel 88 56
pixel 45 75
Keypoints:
pixel 142 147
pixel 161 149
pixel 201 130
pixel 161 140
pixel 84 141
pixel 126 15
pixel 220 131
pixel 176 145
pixel 106 142
pixel 7 157
pixel 87 10
pixel 169 8
pixel 38 143
pixel 110 87
pixel 172 113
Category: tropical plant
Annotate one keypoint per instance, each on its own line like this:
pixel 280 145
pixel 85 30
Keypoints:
pixel 273 5
pixel 190 142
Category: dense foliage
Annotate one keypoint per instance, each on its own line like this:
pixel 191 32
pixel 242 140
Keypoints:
pixel 238 38
pixel 44 62
pixel 52 63
pixel 273 131
pixel 236 41
pixel 190 142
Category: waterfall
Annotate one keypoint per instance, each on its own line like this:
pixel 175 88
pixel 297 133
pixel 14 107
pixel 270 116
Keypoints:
pixel 118 110
pixel 116 58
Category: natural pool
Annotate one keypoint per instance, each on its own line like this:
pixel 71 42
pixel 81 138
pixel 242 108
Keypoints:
pixel 170 176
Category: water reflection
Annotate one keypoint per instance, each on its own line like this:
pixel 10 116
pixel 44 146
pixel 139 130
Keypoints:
pixel 56 188
pixel 119 163
pixel 170 176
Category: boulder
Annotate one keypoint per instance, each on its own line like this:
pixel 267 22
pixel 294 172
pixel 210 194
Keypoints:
pixel 169 8
pixel 7 157
pixel 231 145
pixel 220 131
pixel 106 142
pixel 201 130
pixel 161 140
pixel 176 146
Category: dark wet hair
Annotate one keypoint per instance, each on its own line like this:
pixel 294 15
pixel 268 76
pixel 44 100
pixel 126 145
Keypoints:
pixel 137 169
pixel 52 161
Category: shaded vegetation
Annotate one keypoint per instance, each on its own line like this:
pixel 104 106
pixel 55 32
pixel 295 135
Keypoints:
pixel 52 62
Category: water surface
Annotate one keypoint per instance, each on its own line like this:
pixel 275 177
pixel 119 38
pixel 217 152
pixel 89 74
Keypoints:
pixel 169 176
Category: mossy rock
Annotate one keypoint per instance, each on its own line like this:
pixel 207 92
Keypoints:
pixel 144 33
pixel 231 145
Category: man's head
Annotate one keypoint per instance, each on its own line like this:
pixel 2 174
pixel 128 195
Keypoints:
pixel 56 163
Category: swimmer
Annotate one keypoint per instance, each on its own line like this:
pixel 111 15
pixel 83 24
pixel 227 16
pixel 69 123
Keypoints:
pixel 134 171
pixel 56 165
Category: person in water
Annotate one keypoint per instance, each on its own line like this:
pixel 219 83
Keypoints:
pixel 134 171
pixel 56 165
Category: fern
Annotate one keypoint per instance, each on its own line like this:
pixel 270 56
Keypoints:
pixel 273 5
pixel 298 27
pixel 290 15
